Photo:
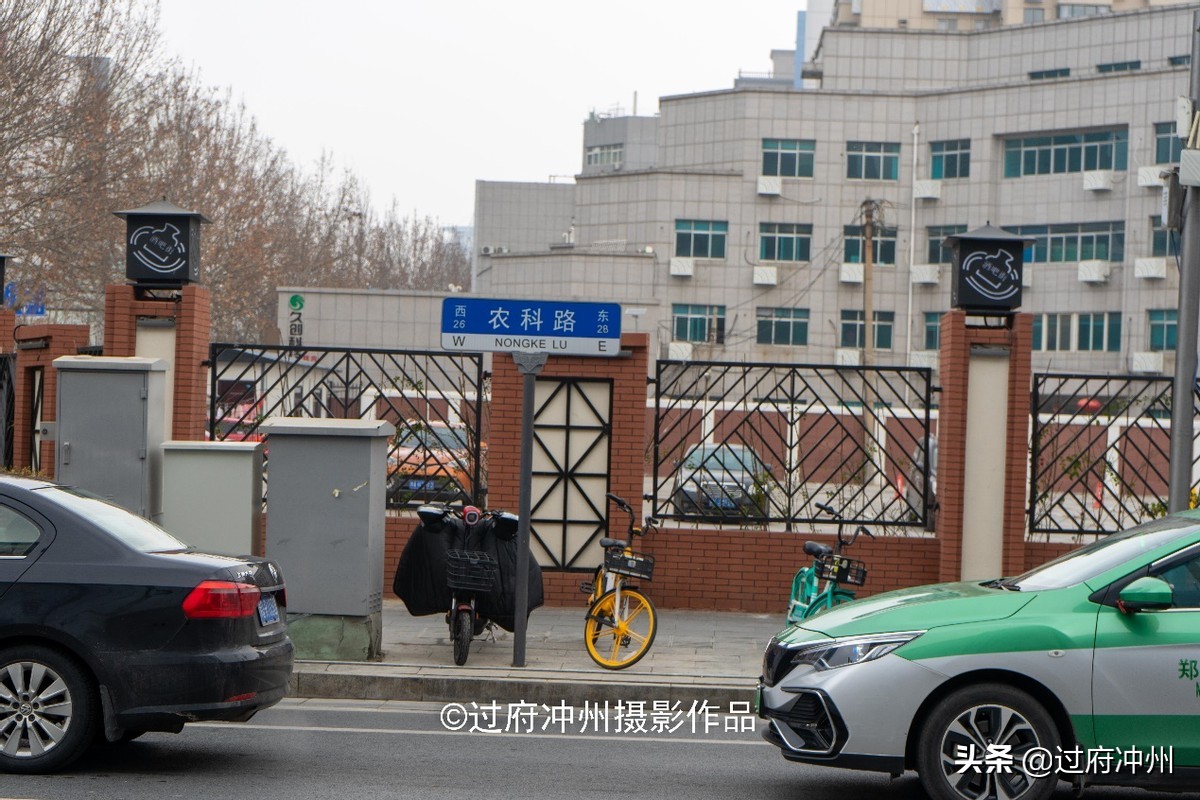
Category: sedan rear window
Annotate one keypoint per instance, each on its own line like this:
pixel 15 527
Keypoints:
pixel 132 530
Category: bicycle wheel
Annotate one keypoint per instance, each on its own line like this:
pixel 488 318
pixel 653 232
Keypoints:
pixel 463 630
pixel 619 634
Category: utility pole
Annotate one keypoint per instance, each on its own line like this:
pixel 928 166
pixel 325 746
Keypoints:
pixel 1187 322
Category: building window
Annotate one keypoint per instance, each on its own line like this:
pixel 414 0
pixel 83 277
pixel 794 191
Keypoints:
pixel 1047 74
pixel 1082 241
pixel 782 326
pixel 947 24
pixel 1051 331
pixel 1118 66
pixel 700 238
pixel 1069 152
pixel 1162 241
pixel 883 245
pixel 788 158
pixel 1072 10
pixel 873 161
pixel 939 250
pixel 852 329
pixel 782 241
pixel 692 323
pixel 1033 15
pixel 1167 146
pixel 950 159
pixel 1162 328
pixel 1180 61
pixel 933 330
pixel 1099 332
pixel 605 154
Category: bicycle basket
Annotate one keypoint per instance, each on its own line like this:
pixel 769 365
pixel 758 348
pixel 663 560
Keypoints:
pixel 842 570
pixel 470 570
pixel 635 565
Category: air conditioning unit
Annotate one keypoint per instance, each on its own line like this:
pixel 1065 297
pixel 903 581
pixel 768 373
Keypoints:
pixel 927 190
pixel 770 185
pixel 486 250
pixel 765 276
pixel 501 250
pixel 851 273
pixel 925 274
pixel 1148 177
pixel 1094 271
pixel 846 356
pixel 682 267
pixel 1098 180
pixel 1148 363
pixel 679 351
pixel 1152 268
pixel 924 358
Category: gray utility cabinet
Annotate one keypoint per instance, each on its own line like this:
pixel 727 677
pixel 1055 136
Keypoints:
pixel 111 428
pixel 212 495
pixel 327 497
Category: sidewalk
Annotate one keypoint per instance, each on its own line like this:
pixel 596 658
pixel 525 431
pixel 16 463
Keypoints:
pixel 697 655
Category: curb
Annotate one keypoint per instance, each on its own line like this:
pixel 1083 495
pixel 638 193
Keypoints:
pixel 328 680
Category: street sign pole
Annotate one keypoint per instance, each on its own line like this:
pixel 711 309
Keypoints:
pixel 1184 388
pixel 529 364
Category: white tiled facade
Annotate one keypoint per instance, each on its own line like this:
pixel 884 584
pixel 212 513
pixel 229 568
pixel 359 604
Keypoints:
pixel 613 234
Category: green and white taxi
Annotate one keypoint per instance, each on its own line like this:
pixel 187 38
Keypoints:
pixel 1084 669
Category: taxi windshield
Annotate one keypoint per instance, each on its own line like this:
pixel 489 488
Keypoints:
pixel 1102 555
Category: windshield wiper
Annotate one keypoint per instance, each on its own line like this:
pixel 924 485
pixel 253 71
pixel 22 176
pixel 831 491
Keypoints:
pixel 1006 584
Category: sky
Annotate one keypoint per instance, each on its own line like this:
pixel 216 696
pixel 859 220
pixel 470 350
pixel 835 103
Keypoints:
pixel 421 99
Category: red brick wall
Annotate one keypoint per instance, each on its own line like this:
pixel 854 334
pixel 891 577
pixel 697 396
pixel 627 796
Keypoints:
pixel 725 570
pixel 191 311
pixel 627 443
pixel 956 340
pixel 37 347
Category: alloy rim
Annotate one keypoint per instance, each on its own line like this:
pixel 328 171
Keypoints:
pixel 35 709
pixel 983 753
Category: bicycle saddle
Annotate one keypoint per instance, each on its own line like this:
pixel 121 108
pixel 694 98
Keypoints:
pixel 817 549
pixel 606 542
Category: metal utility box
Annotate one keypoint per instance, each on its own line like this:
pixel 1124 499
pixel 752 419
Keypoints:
pixel 212 495
pixel 110 429
pixel 327 489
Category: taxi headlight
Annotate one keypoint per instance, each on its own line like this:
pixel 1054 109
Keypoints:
pixel 853 650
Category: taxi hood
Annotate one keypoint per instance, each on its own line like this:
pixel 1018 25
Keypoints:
pixel 919 608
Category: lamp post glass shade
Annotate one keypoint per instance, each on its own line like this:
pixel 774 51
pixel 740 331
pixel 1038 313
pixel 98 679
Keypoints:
pixel 988 263
pixel 162 244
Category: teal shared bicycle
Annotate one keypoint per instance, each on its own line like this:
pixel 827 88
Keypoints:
pixel 809 597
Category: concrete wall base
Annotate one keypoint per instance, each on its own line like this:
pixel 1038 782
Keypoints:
pixel 332 637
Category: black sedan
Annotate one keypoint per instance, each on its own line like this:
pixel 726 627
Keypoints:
pixel 111 627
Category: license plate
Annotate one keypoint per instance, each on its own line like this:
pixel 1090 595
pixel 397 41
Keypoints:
pixel 268 611
pixel 758 700
pixel 724 502
pixel 420 484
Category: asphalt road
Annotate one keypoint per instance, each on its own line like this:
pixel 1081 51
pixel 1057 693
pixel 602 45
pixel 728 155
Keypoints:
pixel 356 751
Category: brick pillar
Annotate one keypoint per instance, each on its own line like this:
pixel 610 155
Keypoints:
pixel 957 339
pixel 628 435
pixel 190 309
pixel 37 347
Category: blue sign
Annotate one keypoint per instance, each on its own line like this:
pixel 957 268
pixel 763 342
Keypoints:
pixel 34 308
pixel 531 326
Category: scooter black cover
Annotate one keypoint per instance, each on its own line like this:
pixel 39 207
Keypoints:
pixel 421 575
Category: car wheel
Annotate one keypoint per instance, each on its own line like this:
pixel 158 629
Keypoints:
pixel 48 710
pixel 973 745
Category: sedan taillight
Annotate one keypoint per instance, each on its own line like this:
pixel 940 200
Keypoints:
pixel 221 600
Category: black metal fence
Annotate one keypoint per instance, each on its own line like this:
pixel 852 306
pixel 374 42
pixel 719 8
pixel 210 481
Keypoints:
pixel 8 404
pixel 766 443
pixel 1100 452
pixel 435 399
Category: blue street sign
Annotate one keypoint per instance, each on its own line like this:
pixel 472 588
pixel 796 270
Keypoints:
pixel 34 308
pixel 531 326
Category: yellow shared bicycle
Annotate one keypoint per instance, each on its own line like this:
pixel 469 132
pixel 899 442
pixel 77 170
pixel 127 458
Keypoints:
pixel 621 621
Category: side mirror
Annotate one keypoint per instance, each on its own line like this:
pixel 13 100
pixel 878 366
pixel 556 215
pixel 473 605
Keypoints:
pixel 1145 594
